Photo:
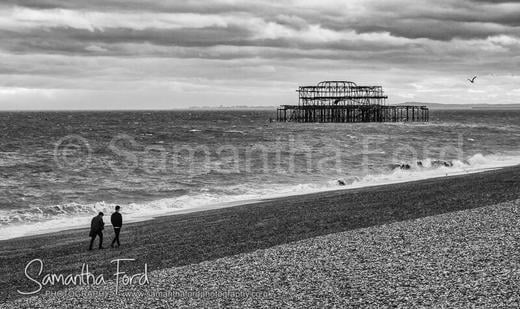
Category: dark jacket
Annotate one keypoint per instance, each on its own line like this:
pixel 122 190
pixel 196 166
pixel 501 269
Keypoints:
pixel 116 219
pixel 96 225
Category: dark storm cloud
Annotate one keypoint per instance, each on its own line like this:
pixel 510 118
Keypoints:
pixel 408 19
pixel 162 6
pixel 442 30
pixel 495 1
pixel 419 19
pixel 401 19
pixel 78 39
pixel 72 41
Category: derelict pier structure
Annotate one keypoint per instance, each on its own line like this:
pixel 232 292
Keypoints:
pixel 344 101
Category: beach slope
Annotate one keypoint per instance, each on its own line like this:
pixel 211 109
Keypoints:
pixel 459 259
pixel 192 238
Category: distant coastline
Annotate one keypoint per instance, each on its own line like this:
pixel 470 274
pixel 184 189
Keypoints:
pixel 434 106
pixel 438 106
pixel 465 106
pixel 233 107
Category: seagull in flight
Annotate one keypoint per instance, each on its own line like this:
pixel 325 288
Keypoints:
pixel 473 79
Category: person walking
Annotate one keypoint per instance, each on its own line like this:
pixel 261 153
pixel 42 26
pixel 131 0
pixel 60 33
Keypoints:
pixel 96 229
pixel 117 222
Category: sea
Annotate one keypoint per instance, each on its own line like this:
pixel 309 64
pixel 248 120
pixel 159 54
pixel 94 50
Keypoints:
pixel 59 169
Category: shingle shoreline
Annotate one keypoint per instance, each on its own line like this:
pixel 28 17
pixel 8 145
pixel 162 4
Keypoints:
pixel 193 238
pixel 459 259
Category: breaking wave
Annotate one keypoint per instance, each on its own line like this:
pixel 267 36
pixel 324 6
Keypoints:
pixel 41 219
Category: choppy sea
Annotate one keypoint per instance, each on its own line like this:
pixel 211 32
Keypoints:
pixel 58 169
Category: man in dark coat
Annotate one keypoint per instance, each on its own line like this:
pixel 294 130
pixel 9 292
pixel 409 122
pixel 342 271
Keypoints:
pixel 96 229
pixel 117 222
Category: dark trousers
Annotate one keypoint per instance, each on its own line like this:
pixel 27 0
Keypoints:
pixel 100 234
pixel 117 230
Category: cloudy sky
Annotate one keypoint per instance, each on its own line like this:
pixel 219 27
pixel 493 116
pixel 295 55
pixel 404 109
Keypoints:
pixel 97 54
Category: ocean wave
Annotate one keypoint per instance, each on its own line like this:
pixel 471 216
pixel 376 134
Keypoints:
pixel 432 168
pixel 41 219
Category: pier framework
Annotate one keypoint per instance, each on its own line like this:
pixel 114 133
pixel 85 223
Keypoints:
pixel 344 101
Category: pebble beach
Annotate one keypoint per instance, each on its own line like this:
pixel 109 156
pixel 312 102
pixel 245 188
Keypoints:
pixel 461 259
pixel 463 253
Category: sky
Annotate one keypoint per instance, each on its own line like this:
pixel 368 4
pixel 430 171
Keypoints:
pixel 156 54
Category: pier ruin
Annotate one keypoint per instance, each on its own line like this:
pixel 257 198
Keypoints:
pixel 344 101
